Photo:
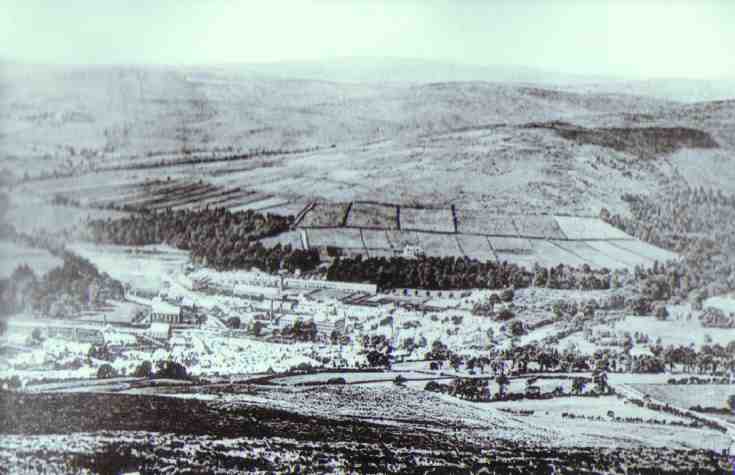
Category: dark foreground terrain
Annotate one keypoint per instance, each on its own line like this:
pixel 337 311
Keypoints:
pixel 119 433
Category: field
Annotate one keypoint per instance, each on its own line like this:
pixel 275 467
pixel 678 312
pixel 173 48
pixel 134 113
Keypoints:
pixel 575 227
pixel 375 239
pixel 345 238
pixel 709 395
pixel 12 255
pixel 548 254
pixel 538 227
pixel 525 240
pixel 614 251
pixel 427 219
pixel 594 256
pixel 645 250
pixel 475 247
pixel 325 214
pixel 439 245
pixel 676 331
pixel 371 215
pixel 483 222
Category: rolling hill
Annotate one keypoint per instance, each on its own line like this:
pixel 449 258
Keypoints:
pixel 513 145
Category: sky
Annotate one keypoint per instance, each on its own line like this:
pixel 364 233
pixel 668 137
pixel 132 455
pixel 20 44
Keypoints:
pixel 635 39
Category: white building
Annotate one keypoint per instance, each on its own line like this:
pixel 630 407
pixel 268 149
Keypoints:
pixel 412 252
pixel 159 330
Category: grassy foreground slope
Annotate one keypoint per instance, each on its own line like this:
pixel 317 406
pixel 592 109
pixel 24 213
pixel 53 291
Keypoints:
pixel 112 432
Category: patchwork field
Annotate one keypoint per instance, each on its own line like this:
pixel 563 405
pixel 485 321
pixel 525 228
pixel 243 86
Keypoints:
pixel 523 239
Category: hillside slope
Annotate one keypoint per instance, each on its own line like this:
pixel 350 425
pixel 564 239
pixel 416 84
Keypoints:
pixel 479 144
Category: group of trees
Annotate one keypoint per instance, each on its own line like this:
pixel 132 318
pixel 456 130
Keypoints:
pixel 715 318
pixel 452 273
pixel 709 358
pixel 518 358
pixel 699 224
pixel 216 237
pixel 300 330
pixel 63 291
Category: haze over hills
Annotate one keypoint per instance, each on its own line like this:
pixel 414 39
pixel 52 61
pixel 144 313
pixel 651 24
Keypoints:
pixel 403 131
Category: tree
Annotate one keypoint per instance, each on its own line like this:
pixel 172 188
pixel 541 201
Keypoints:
pixel 144 370
pixel 257 328
pixel 233 322
pixel 377 358
pixel 731 402
pixel 503 381
pixel 106 371
pixel 171 369
pixel 599 377
pixel 507 295
pixel 517 328
pixel 504 314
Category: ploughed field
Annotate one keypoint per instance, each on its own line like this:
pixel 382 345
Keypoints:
pixel 112 433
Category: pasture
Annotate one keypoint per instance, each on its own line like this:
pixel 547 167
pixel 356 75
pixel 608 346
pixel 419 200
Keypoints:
pixel 421 219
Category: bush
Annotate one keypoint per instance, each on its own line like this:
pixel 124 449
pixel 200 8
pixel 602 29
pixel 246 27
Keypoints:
pixel 144 370
pixel 171 370
pixel 337 381
pixel 504 315
pixel 507 295
pixel 233 323
pixel 302 367
pixel 731 402
pixel 106 371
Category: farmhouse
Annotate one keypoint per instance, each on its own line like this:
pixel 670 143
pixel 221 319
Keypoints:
pixel 413 252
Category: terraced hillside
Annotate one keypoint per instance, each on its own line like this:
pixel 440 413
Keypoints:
pixel 376 229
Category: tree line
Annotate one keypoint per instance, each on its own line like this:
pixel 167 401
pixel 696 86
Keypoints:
pixel 454 273
pixel 216 237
